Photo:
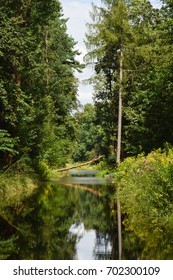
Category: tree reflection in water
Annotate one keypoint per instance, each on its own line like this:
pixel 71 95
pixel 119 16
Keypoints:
pixel 40 229
pixel 103 247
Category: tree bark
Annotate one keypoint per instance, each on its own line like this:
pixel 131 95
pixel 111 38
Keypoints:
pixel 80 165
pixel 118 158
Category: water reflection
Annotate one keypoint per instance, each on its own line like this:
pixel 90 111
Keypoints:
pixel 77 230
pixel 77 173
pixel 93 239
pixel 83 180
pixel 94 246
pixel 60 222
pixel 103 246
pixel 84 248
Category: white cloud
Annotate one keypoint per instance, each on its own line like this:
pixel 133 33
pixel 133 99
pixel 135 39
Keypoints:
pixel 85 96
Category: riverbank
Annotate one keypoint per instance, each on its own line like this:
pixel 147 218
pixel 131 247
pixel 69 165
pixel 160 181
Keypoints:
pixel 145 186
pixel 15 187
pixel 20 181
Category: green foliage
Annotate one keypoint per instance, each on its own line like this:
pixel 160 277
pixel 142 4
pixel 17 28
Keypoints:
pixel 90 136
pixel 8 148
pixel 7 247
pixel 109 32
pixel 37 83
pixel 41 169
pixel 146 191
pixel 6 142
pixel 16 183
pixel 144 34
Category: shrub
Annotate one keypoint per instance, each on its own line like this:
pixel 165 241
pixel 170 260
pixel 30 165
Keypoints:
pixel 146 194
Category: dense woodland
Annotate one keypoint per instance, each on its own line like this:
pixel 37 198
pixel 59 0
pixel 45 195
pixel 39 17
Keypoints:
pixel 144 34
pixel 38 86
pixel 43 126
pixel 39 89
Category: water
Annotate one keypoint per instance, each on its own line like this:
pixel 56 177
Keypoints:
pixel 92 238
pixel 78 172
pixel 66 219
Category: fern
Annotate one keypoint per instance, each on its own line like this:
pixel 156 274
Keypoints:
pixel 7 143
pixel 7 247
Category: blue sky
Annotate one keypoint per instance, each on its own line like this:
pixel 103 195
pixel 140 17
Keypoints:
pixel 78 13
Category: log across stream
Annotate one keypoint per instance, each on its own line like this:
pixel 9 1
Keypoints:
pixel 94 160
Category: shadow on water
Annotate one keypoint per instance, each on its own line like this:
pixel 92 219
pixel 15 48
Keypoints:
pixel 62 220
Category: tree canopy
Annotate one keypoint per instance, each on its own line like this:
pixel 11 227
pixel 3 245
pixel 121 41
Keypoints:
pixel 38 87
pixel 145 34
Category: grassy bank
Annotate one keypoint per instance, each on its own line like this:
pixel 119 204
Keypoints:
pixel 17 184
pixel 15 187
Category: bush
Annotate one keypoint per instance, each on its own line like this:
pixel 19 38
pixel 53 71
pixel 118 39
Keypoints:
pixel 146 194
pixel 41 168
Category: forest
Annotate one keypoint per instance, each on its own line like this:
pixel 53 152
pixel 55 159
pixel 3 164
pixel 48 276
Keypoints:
pixel 43 127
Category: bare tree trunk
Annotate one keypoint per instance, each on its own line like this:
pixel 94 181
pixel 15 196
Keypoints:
pixel 118 158
pixel 46 57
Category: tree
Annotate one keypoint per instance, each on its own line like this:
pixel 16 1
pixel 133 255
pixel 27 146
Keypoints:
pixel 146 74
pixel 107 36
pixel 37 83
pixel 90 137
pixel 146 125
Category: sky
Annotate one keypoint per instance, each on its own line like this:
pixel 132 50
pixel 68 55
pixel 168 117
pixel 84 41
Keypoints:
pixel 78 13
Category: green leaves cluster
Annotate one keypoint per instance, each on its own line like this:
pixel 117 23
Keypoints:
pixel 90 136
pixel 146 192
pixel 6 142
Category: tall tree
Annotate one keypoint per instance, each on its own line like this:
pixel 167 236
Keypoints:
pixel 146 71
pixel 148 118
pixel 109 33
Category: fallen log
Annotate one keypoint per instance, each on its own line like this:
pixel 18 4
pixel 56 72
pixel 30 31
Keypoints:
pixel 80 165
pixel 78 186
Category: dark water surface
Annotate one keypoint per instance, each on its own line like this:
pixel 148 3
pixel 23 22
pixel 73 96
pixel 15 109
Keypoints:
pixel 66 219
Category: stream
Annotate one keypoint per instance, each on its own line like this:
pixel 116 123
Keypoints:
pixel 90 227
pixel 66 219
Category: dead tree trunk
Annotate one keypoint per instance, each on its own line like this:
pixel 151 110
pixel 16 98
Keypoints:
pixel 80 165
